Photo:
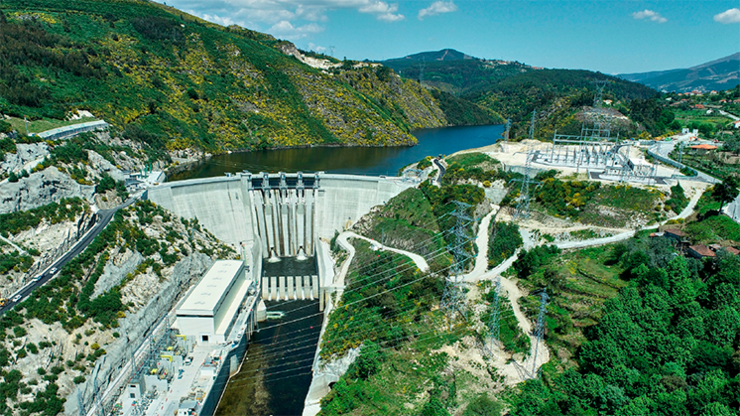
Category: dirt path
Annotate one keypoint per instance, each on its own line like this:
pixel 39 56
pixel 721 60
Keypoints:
pixel 420 262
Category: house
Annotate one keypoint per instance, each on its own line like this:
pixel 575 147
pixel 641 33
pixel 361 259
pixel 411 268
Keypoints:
pixel 699 106
pixel 700 251
pixel 703 148
pixel 716 248
pixel 677 235
pixel 736 124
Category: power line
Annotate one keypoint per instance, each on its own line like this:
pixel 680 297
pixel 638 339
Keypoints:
pixel 540 328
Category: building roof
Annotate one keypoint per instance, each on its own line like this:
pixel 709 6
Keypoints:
pixel 703 250
pixel 73 127
pixel 206 296
pixel 677 233
pixel 733 250
pixel 704 147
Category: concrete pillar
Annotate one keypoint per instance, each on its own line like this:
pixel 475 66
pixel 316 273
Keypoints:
pixel 315 286
pixel 293 223
pixel 307 287
pixel 259 210
pixel 265 288
pixel 274 222
pixel 281 289
pixel 310 205
pixel 273 288
pixel 285 228
pixel 300 213
pixel 291 287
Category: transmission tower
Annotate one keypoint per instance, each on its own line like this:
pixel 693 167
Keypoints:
pixel 453 298
pixel 493 321
pixel 522 207
pixel 506 135
pixel 598 118
pixel 539 330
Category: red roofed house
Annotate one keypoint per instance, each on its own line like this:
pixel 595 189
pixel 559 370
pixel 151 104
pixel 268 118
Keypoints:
pixel 700 251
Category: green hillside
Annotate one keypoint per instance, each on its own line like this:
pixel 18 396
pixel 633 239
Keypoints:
pixel 173 81
pixel 453 71
pixel 514 90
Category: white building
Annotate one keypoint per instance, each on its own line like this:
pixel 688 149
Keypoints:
pixel 207 315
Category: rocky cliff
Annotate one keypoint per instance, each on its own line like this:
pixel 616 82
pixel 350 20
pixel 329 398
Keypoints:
pixel 40 188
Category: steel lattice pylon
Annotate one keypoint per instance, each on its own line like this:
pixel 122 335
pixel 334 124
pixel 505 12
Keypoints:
pixel 494 327
pixel 539 330
pixel 522 207
pixel 453 298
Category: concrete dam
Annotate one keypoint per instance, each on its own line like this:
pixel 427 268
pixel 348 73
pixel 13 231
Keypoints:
pixel 285 214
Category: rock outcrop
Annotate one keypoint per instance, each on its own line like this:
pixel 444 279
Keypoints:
pixel 103 166
pixel 41 188
pixel 22 158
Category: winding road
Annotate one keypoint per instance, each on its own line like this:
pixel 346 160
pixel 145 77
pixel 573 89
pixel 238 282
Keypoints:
pixel 102 218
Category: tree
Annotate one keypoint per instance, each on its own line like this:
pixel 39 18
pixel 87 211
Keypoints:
pixel 726 191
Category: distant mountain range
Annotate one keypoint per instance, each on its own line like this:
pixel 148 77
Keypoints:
pixel 720 74
pixel 454 71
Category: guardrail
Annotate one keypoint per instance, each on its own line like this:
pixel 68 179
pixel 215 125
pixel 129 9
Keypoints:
pixel 669 161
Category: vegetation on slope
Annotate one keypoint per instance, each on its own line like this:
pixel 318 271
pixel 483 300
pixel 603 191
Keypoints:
pixel 667 344
pixel 172 81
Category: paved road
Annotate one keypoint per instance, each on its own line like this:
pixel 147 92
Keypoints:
pixel 102 218
pixel 664 149
pixel 732 116
pixel 441 170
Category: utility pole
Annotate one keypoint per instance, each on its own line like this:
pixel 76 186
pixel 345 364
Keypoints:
pixel 506 135
pixel 494 320
pixel 539 331
pixel 453 298
pixel 26 121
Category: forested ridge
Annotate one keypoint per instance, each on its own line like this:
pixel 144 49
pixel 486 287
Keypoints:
pixel 172 81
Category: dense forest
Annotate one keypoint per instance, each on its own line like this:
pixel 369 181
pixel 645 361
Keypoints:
pixel 668 344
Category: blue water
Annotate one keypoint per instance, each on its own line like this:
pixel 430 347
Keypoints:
pixel 354 160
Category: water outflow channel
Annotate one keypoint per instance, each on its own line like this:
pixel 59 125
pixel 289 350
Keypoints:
pixel 276 372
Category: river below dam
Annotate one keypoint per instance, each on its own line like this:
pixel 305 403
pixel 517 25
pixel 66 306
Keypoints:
pixel 276 372
pixel 353 160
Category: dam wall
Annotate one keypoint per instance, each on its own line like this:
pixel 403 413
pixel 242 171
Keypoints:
pixel 344 199
pixel 220 204
pixel 285 213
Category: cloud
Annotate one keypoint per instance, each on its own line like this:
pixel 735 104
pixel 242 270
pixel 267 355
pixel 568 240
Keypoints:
pixel 728 16
pixel 316 48
pixel 438 7
pixel 649 14
pixel 286 30
pixel 382 11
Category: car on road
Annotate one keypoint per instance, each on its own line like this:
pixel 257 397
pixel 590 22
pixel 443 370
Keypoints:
pixel 38 277
pixel 16 298
pixel 53 271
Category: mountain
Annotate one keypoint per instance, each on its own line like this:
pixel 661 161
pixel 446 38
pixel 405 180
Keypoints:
pixel 721 74
pixel 172 81
pixel 454 71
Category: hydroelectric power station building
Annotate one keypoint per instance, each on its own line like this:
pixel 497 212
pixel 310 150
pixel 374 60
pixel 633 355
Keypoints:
pixel 208 313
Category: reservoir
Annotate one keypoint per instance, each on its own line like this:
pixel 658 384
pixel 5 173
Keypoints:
pixel 374 161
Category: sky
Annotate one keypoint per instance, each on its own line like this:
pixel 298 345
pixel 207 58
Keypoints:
pixel 611 36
